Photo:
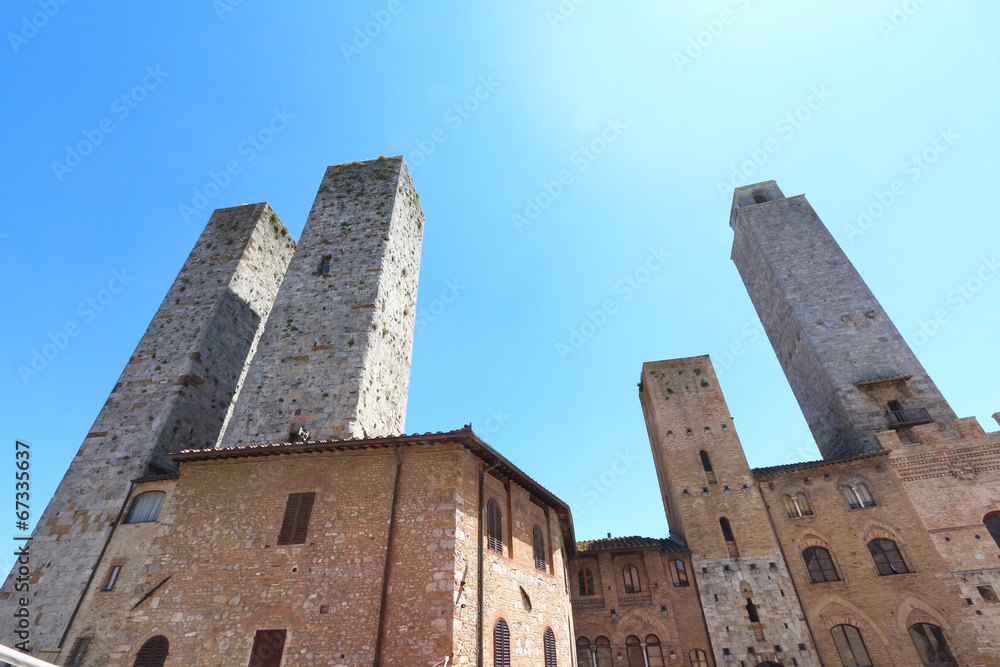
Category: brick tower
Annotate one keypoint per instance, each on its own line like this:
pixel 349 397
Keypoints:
pixel 174 393
pixel 751 607
pixel 850 369
pixel 334 359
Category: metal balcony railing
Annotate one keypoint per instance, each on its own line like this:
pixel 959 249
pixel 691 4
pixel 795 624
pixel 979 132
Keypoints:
pixel 910 417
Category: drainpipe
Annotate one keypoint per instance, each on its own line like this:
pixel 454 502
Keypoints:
pixel 388 560
pixel 479 570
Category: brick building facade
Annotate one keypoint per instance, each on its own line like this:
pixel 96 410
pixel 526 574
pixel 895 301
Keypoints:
pixel 247 495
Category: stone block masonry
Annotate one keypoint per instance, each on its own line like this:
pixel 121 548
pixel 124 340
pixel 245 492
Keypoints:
pixel 334 359
pixel 173 393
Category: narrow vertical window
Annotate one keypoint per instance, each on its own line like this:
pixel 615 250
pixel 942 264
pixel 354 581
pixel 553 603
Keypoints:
pixel 586 578
pixel 633 651
pixel 805 509
pixel 501 644
pixel 324 264
pixel 295 523
pixel 549 640
pixel 112 579
pixel 153 653
pixel 791 509
pixel 852 498
pixel 654 652
pixel 706 463
pixel 494 526
pixel 603 651
pixel 930 644
pixel 850 646
pixel 146 507
pixel 79 652
pixel 887 558
pixel 538 544
pixel 863 496
pixel 698 658
pixel 631 576
pixel 819 563
pixel 584 653
pixel 678 573
pixel 992 522
pixel 752 611
pixel 268 645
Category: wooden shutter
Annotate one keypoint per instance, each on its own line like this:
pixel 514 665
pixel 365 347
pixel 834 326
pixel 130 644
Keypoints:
pixel 494 526
pixel 268 645
pixel 79 651
pixel 539 544
pixel 153 653
pixel 295 522
pixel 550 648
pixel 501 644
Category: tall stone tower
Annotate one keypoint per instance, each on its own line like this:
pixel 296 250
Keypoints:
pixel 173 394
pixel 751 607
pixel 850 369
pixel 334 359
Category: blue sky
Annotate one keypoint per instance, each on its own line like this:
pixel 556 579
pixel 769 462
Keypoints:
pixel 560 150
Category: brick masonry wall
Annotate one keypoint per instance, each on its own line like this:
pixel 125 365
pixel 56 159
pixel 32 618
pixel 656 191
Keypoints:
pixel 335 357
pixel 828 330
pixel 174 392
pixel 671 613
pixel 686 413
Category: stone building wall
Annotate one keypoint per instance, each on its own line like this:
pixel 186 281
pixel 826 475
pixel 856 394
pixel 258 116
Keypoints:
pixel 829 332
pixel 335 358
pixel 173 393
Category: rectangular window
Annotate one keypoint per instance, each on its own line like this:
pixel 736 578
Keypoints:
pixel 295 523
pixel 268 646
pixel 79 651
pixel 109 583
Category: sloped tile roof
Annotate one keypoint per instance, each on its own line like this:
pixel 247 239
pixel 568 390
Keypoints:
pixel 633 542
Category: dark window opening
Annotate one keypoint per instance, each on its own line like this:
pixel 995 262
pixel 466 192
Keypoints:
pixel 760 196
pixel 752 611
pixel 494 526
pixel 887 558
pixel 992 522
pixel 268 645
pixel 538 545
pixel 706 463
pixel 586 581
pixel 819 563
pixel 295 523
pixel 324 264
pixel 727 531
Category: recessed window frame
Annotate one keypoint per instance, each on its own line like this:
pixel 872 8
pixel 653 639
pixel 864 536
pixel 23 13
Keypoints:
pixel 820 565
pixel 887 557
pixel 295 520
pixel 850 646
pixel 268 648
pixel 79 652
pixel 146 507
pixel 585 581
pixel 538 548
pixel 630 578
pixel 111 579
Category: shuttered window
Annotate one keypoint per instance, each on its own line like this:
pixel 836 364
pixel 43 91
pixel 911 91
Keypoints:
pixel 538 540
pixel 153 653
pixel 295 523
pixel 501 644
pixel 550 648
pixel 79 651
pixel 268 646
pixel 146 507
pixel 494 526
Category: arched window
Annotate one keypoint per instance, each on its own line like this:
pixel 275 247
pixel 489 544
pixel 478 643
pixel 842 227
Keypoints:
pixel 850 646
pixel 752 611
pixel 501 644
pixel 706 463
pixel 153 653
pixel 494 526
pixel 654 652
pixel 586 581
pixel 538 543
pixel 796 505
pixel 146 507
pixel 631 576
pixel 863 495
pixel 887 558
pixel 857 495
pixel 603 651
pixel 992 521
pixel 820 565
pixel 760 196
pixel 727 531
pixel 678 573
pixel 633 651
pixel 549 640
pixel 698 658
pixel 931 646
pixel 584 653
pixel 851 496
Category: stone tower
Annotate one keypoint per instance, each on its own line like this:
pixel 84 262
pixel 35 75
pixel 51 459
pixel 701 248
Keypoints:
pixel 334 359
pixel 751 607
pixel 173 394
pixel 850 369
